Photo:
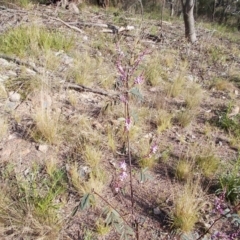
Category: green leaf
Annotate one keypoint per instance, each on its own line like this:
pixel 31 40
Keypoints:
pixel 144 175
pixel 75 210
pixel 85 201
pixel 135 91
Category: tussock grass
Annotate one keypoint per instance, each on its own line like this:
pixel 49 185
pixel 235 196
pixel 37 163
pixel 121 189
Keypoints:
pixel 29 204
pixel 3 128
pixel 176 87
pixel 154 72
pixel 47 126
pixel 187 204
pixel 185 117
pixel 183 170
pixel 193 95
pixel 209 164
pixel 222 85
pixel 32 40
pixel 84 70
pixel 95 180
pixel 163 120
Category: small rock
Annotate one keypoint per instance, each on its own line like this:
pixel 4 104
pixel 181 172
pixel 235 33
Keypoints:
pixel 12 73
pixel 13 136
pixel 84 171
pixel 14 97
pixel 236 92
pixel 9 106
pixel 154 89
pixel 234 112
pixel 30 72
pixel 67 60
pixel 190 78
pixel 43 148
pixel 85 38
pixel 3 78
pixel 4 62
pixel 157 211
pixel 59 53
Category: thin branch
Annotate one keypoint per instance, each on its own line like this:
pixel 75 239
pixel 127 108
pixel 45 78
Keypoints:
pixel 79 87
pixel 66 24
pixel 216 220
pixel 19 62
pixel 112 207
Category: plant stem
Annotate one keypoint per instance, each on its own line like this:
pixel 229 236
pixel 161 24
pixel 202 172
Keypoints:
pixel 127 115
pixel 216 220
pixel 112 207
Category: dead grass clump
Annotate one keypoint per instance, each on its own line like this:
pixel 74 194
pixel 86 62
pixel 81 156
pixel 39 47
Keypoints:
pixel 183 170
pixel 3 128
pixel 193 96
pixel 187 204
pixel 208 164
pixel 176 87
pixel 163 120
pixel 47 126
pixel 222 85
pixel 154 72
pixel 185 117
pixel 85 182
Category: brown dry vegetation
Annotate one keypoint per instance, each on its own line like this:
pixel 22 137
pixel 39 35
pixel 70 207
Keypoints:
pixel 58 143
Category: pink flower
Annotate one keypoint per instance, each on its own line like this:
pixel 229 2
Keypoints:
pixel 128 124
pixel 123 98
pixel 123 176
pixel 139 79
pixel 154 148
pixel 123 166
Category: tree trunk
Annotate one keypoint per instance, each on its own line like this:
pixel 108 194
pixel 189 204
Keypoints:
pixel 188 7
pixel 214 10
pixel 171 8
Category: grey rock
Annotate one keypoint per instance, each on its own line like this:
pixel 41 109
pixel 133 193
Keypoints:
pixel 14 97
pixel 43 148
pixel 3 78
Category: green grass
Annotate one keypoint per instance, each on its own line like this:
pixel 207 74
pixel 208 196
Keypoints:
pixel 31 202
pixel 208 164
pixel 183 170
pixel 33 40
pixel 186 207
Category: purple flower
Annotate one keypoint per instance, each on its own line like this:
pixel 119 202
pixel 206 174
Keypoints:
pixel 128 124
pixel 123 98
pixel 123 166
pixel 121 71
pixel 154 148
pixel 123 176
pixel 139 79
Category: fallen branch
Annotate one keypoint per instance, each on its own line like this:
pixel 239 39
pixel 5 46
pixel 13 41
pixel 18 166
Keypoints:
pixel 19 62
pixel 79 87
pixel 68 25
pixel 110 28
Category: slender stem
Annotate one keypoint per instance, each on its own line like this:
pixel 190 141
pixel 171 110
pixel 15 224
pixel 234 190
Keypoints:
pixel 127 112
pixel 112 207
pixel 216 220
